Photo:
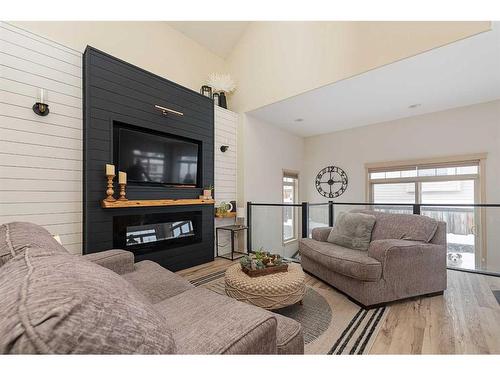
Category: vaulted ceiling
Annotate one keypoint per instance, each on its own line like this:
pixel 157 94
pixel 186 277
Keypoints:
pixel 220 37
pixel 458 74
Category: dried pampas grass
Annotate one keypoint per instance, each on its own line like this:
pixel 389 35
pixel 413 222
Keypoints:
pixel 221 82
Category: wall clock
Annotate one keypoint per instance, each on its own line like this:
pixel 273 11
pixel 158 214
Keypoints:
pixel 331 182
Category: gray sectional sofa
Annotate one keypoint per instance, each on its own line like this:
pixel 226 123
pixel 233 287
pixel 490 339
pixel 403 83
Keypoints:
pixel 104 303
pixel 406 258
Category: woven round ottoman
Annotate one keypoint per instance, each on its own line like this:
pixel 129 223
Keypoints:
pixel 269 292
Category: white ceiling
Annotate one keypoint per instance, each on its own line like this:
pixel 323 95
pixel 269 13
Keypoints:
pixel 220 37
pixel 462 73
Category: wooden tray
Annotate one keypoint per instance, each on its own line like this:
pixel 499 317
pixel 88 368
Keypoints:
pixel 265 271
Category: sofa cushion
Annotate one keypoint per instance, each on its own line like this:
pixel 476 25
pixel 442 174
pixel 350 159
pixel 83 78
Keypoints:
pixel 402 226
pixel 352 230
pixel 348 262
pixel 204 322
pixel 155 282
pixel 62 303
pixel 17 236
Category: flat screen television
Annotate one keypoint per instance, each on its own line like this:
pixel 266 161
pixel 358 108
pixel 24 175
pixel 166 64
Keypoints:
pixel 156 158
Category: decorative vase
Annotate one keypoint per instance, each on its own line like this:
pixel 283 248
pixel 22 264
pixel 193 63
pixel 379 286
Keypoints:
pixel 207 193
pixel 222 100
pixel 215 97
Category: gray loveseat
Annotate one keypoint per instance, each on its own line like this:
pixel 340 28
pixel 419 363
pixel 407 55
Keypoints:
pixel 406 258
pixel 104 303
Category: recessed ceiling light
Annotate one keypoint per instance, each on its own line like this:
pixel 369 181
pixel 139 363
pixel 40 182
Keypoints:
pixel 416 105
pixel 298 120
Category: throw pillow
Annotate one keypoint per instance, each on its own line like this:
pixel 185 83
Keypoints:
pixel 352 230
pixel 55 303
pixel 16 237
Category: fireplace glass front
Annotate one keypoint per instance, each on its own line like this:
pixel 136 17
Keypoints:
pixel 158 231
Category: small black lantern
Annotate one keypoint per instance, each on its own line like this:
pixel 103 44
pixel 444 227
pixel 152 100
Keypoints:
pixel 206 91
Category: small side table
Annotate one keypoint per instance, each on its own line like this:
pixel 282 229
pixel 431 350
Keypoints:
pixel 232 229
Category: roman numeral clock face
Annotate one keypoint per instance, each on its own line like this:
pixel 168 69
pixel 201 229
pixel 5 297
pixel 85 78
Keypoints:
pixel 331 182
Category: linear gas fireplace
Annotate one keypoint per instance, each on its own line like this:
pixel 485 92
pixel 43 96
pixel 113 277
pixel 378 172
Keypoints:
pixel 156 231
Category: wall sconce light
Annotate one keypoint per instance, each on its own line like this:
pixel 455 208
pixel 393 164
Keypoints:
pixel 41 108
pixel 224 148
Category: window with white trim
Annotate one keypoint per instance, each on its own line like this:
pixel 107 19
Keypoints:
pixel 290 214
pixel 457 182
pixel 442 183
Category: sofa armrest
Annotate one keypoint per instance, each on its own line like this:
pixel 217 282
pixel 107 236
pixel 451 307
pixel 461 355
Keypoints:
pixel 440 235
pixel 119 261
pixel 382 250
pixel 419 264
pixel 321 234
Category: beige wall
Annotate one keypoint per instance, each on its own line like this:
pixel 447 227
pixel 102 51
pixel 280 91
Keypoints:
pixel 276 60
pixel 458 131
pixel 153 46
pixel 268 150
pixel 464 130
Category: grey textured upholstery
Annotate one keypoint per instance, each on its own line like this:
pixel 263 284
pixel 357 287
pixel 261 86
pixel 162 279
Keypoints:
pixel 204 322
pixel 352 230
pixel 156 282
pixel 18 236
pixel 104 303
pixel 401 226
pixel 353 263
pixel 289 337
pixel 406 258
pixel 119 261
pixel 63 304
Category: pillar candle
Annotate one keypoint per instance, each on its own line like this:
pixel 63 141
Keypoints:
pixel 110 170
pixel 122 178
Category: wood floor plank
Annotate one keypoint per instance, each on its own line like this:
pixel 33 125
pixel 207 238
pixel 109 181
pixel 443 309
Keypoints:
pixel 462 321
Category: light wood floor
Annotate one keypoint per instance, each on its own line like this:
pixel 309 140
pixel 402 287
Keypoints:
pixel 465 320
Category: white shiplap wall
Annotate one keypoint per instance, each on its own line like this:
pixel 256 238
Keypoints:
pixel 226 127
pixel 41 157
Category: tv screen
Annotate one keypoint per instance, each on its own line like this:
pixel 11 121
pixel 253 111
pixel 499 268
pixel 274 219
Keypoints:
pixel 156 158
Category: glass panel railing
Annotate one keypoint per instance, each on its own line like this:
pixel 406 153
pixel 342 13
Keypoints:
pixel 471 230
pixel 318 216
pixel 276 229
pixel 471 235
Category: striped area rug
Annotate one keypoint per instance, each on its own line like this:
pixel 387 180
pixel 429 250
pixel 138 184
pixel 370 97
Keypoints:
pixel 332 324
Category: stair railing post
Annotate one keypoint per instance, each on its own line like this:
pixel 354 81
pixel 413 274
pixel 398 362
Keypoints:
pixel 330 213
pixel 416 209
pixel 249 226
pixel 305 219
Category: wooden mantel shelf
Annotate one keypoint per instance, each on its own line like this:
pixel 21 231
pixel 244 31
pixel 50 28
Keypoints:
pixel 154 203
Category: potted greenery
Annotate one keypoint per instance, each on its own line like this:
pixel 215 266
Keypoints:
pixel 207 192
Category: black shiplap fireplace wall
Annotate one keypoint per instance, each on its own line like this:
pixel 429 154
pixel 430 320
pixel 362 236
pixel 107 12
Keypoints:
pixel 116 91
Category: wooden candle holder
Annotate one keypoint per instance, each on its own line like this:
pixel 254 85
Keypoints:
pixel 110 191
pixel 122 192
